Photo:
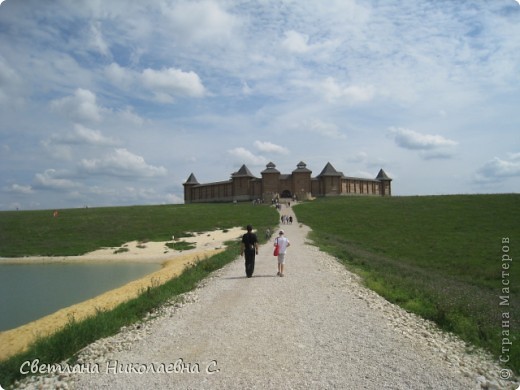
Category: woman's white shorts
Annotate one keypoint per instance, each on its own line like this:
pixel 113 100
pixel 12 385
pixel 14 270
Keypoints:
pixel 281 258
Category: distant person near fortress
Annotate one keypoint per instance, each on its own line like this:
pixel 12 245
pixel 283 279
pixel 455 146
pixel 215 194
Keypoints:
pixel 298 185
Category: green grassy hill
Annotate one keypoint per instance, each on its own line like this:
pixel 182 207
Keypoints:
pixel 437 256
pixel 78 231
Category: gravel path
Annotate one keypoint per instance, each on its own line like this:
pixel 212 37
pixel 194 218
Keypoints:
pixel 315 328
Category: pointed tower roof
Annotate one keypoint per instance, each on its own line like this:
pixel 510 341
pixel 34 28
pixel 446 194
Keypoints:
pixel 270 168
pixel 192 180
pixel 242 172
pixel 329 170
pixel 382 175
pixel 302 167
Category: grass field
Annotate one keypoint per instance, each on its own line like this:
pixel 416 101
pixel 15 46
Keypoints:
pixel 438 256
pixel 79 231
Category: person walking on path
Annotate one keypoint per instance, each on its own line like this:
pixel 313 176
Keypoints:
pixel 249 249
pixel 283 243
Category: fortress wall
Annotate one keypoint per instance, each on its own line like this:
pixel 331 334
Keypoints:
pixel 245 187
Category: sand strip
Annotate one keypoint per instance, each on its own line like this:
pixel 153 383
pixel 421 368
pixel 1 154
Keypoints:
pixel 174 262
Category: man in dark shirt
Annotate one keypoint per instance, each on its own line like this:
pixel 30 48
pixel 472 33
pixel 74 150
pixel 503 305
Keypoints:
pixel 250 249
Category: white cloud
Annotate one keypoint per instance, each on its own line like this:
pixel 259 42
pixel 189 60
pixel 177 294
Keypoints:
pixel 326 129
pixel 246 89
pixel 296 42
pixel 81 106
pixel 245 156
pixel 359 157
pixel 413 140
pixel 128 115
pixel 84 135
pixel 335 91
pixel 364 174
pixel 96 40
pixel 174 199
pixel 351 93
pixel 11 85
pixel 120 76
pixel 201 22
pixel 62 146
pixel 498 169
pixel 20 189
pixel 122 163
pixel 53 180
pixel 171 82
pixel 57 150
pixel 270 147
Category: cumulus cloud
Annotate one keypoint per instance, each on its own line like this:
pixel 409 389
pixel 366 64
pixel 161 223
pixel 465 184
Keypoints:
pixel 165 84
pixel 270 147
pixel 320 127
pixel 20 189
pixel 201 22
pixel 498 169
pixel 84 135
pixel 121 163
pixel 359 157
pixel 122 77
pixel 247 157
pixel 52 179
pixel 337 92
pixel 431 146
pixel 81 106
pixel 61 146
pixel 174 199
pixel 128 115
pixel 296 42
pixel 170 82
pixel 352 94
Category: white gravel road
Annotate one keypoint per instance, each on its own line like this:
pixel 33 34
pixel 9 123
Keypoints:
pixel 316 328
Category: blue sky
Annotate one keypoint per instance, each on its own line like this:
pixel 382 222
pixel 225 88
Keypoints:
pixel 117 102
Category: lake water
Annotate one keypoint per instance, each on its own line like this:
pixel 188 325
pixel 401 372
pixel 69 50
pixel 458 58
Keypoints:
pixel 31 291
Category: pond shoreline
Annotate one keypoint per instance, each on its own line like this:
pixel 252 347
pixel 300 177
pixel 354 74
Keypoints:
pixel 16 340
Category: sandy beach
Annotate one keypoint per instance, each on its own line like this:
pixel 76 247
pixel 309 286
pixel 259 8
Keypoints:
pixel 173 263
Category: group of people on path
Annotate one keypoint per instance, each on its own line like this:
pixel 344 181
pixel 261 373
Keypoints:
pixel 250 250
pixel 286 219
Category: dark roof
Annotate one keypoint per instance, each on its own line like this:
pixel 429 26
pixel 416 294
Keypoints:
pixel 382 175
pixel 329 170
pixel 242 172
pixel 302 167
pixel 192 180
pixel 270 168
